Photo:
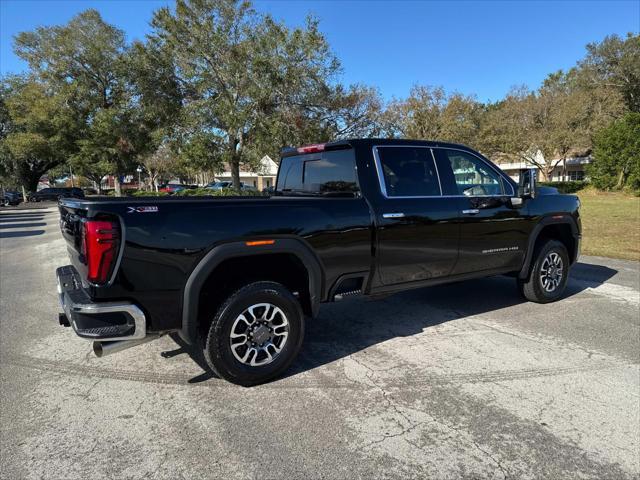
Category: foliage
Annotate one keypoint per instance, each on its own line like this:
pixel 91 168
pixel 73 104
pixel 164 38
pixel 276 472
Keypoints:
pixel 224 192
pixel 216 85
pixel 566 187
pixel 431 113
pixel 159 164
pixel 200 192
pixel 617 155
pixel 149 193
pixel 38 130
pixel 615 62
pixel 243 70
pixel 105 83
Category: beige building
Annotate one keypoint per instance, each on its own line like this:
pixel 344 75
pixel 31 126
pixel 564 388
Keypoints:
pixel 575 169
pixel 264 177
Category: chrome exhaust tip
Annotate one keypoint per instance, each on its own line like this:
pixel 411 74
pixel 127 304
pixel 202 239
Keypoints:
pixel 102 349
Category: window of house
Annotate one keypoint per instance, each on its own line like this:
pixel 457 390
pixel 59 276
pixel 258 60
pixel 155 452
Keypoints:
pixel 408 172
pixel 473 176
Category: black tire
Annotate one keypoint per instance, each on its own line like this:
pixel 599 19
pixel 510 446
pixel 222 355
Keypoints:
pixel 217 345
pixel 533 288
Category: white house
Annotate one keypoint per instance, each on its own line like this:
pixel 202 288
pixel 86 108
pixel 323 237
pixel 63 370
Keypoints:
pixel 263 177
pixel 575 169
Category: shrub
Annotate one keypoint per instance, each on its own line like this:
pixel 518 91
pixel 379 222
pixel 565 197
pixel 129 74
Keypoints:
pixel 566 187
pixel 225 192
pixel 147 193
pixel 616 155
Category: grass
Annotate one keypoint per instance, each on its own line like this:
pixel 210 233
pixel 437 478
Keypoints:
pixel 610 224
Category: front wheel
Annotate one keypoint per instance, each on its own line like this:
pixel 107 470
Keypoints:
pixel 255 334
pixel 549 273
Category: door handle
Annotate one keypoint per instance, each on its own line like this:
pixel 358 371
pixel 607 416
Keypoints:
pixel 393 215
pixel 472 211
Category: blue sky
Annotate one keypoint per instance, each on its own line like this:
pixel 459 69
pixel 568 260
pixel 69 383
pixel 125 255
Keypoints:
pixel 473 47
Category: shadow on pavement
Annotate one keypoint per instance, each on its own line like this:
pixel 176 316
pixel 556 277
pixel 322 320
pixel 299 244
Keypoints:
pixel 347 327
pixel 22 225
pixel 195 354
pixel 13 217
pixel 24 233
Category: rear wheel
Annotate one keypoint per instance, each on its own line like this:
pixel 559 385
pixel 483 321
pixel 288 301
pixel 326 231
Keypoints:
pixel 255 334
pixel 549 273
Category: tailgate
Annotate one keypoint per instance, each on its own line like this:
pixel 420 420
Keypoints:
pixel 72 213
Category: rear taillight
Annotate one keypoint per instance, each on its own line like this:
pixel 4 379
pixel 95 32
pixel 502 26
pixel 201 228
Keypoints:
pixel 100 240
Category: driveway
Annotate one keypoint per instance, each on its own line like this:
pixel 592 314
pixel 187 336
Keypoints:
pixel 464 380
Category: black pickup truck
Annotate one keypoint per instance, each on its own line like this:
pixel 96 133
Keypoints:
pixel 236 276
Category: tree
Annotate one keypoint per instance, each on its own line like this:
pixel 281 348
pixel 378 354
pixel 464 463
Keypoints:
pixel 616 162
pixel 430 113
pixel 241 69
pixel 159 163
pixel 544 128
pixel 86 62
pixel 38 130
pixel 615 62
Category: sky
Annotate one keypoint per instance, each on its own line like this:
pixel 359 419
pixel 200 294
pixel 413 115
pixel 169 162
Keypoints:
pixel 480 48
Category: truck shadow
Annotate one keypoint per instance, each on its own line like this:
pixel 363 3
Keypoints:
pixel 347 327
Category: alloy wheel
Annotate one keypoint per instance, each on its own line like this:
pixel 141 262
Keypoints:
pixel 259 334
pixel 551 272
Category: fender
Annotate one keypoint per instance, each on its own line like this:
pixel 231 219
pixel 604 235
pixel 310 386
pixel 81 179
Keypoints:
pixel 555 219
pixel 236 249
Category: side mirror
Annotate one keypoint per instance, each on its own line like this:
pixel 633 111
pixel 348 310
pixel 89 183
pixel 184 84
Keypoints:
pixel 527 185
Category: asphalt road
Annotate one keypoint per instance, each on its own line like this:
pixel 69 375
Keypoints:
pixel 457 381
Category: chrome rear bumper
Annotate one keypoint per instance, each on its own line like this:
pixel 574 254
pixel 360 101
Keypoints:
pixel 104 321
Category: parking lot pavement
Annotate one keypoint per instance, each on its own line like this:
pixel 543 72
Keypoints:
pixel 456 381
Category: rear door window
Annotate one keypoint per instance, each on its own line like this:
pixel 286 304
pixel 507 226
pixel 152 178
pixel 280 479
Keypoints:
pixel 408 172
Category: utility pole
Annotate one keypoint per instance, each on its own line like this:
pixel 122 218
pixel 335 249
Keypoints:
pixel 71 175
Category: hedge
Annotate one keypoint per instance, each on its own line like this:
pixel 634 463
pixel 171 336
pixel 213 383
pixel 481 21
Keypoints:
pixel 566 187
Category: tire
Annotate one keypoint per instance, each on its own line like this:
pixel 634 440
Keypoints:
pixel 251 300
pixel 544 285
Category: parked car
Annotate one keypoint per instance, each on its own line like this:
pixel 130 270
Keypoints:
pixel 171 188
pixel 55 194
pixel 175 187
pixel 237 276
pixel 10 198
pixel 220 185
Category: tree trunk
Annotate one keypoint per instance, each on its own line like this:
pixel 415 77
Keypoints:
pixel 622 179
pixel 30 180
pixel 116 184
pixel 235 170
pixel 546 174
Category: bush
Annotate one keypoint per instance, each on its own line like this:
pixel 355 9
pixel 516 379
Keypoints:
pixel 148 193
pixel 616 155
pixel 197 192
pixel 225 192
pixel 566 187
